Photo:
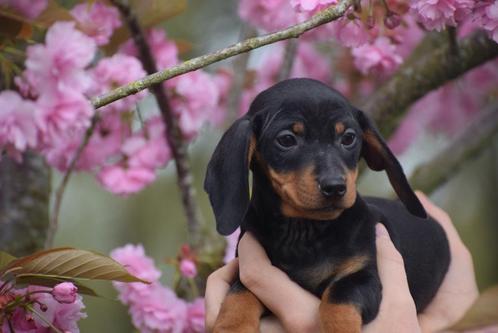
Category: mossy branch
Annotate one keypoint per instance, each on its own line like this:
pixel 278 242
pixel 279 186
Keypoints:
pixel 325 16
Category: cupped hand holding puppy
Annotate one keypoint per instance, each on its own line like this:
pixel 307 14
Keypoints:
pixel 296 310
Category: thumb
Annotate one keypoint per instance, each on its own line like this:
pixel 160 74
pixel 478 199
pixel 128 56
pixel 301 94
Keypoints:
pixel 390 264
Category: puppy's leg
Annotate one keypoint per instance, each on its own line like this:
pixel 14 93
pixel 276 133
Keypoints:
pixel 240 311
pixel 350 302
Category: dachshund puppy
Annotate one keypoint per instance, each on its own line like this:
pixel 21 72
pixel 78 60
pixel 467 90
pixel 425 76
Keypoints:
pixel 302 141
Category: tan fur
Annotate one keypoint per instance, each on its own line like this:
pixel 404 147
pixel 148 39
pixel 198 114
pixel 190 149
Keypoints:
pixel 339 318
pixel 350 196
pixel 298 128
pixel 339 128
pixel 318 273
pixel 240 312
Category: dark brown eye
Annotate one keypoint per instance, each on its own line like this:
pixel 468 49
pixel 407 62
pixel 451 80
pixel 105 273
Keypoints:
pixel 348 139
pixel 287 139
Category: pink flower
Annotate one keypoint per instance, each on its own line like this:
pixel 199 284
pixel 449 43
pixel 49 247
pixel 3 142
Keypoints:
pixel 109 73
pixel 29 8
pixel 153 308
pixel 122 180
pixel 106 141
pixel 159 311
pixel 486 16
pixel 311 5
pixel 269 15
pixel 194 98
pixel 18 130
pixel 164 50
pixel 148 149
pixel 64 316
pixel 97 20
pixel 350 32
pixel 378 58
pixel 58 65
pixel 436 14
pixel 188 268
pixel 62 112
pixel 195 317
pixel 65 292
pixel 230 249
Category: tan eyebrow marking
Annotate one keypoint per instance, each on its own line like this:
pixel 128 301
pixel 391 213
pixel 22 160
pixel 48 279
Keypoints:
pixel 298 128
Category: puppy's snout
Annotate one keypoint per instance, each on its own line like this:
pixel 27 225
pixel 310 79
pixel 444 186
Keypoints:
pixel 332 187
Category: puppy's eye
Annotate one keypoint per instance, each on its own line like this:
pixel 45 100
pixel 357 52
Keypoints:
pixel 286 139
pixel 348 139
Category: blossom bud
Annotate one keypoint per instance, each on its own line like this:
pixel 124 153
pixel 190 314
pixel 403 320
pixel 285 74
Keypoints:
pixel 65 292
pixel 392 20
pixel 188 268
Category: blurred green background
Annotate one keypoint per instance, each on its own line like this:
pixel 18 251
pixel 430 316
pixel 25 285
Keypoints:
pixel 92 218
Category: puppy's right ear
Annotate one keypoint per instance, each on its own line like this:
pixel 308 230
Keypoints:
pixel 227 176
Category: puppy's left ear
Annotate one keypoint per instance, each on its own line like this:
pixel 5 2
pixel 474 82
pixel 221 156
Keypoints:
pixel 379 157
pixel 227 176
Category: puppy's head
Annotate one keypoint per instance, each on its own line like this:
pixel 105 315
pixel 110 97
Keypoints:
pixel 307 139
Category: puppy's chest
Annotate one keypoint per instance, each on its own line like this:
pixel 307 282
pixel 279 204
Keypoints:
pixel 312 257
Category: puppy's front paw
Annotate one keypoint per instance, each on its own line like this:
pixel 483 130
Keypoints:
pixel 339 318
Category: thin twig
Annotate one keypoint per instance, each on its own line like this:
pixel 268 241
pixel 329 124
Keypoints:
pixel 175 138
pixel 288 59
pixel 59 193
pixel 239 67
pixel 325 16
pixel 468 144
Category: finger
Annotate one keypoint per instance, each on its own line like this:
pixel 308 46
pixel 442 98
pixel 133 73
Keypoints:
pixel 274 288
pixel 439 215
pixel 217 287
pixel 390 265
pixel 271 325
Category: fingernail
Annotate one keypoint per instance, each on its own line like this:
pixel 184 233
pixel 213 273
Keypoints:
pixel 380 230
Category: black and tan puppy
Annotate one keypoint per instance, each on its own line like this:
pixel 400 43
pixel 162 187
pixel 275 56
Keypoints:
pixel 303 140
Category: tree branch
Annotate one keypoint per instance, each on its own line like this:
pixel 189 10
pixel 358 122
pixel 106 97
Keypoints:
pixel 468 144
pixel 173 131
pixel 325 16
pixel 433 70
pixel 24 204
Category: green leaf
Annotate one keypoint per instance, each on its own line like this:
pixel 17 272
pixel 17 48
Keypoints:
pixel 5 259
pixel 51 281
pixel 483 313
pixel 73 264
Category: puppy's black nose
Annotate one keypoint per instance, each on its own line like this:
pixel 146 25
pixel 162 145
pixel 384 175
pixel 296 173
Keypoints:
pixel 332 187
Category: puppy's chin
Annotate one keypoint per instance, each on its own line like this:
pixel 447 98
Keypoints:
pixel 321 214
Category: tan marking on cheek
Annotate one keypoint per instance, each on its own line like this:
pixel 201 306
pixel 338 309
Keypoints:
pixel 298 128
pixel 240 312
pixel 350 196
pixel 339 128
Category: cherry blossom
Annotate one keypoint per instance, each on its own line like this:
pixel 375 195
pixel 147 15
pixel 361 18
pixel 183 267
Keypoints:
pixel 97 20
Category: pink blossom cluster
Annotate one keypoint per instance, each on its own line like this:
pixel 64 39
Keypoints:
pixel 486 16
pixel 53 112
pixel 436 14
pixel 60 307
pixel 28 8
pixel 154 307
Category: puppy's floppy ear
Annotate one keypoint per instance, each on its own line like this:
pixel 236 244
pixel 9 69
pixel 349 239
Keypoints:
pixel 227 176
pixel 379 157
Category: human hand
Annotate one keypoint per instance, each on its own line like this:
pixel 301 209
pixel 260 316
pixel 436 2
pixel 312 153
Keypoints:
pixel 459 289
pixel 274 288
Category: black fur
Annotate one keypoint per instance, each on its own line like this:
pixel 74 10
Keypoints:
pixel 311 251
